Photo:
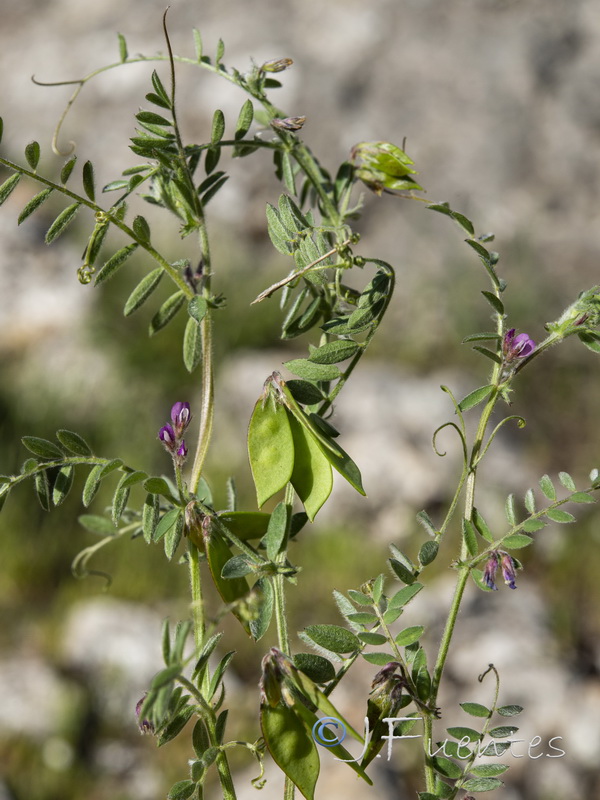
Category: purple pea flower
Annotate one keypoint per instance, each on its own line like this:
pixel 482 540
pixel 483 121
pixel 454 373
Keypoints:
pixel 489 573
pixel 519 346
pixel 180 417
pixel 182 451
pixel 508 570
pixel 167 436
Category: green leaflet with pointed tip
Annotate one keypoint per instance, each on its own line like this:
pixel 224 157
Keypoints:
pixel 34 204
pixel 218 127
pixel 266 601
pixel 166 312
pixel 192 345
pixel 280 236
pixel 333 638
pixel 312 477
pixel 74 442
pixel 8 186
pixel 62 485
pixel 92 484
pixel 42 447
pixel 270 448
pixel 143 291
pixel 476 397
pixel 32 154
pixel 334 352
pixel 141 229
pixel 114 262
pixel 67 169
pixel 88 180
pixel 61 223
pixel 292 746
pixel 244 120
pixel 42 490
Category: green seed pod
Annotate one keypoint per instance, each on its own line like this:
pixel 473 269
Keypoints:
pixel 270 448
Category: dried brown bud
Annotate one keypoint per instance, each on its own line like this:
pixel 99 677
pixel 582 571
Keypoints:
pixel 288 124
pixel 278 65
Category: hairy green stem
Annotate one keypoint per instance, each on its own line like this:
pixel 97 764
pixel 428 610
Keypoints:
pixel 198 618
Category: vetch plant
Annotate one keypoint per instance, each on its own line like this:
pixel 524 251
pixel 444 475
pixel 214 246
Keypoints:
pixel 293 447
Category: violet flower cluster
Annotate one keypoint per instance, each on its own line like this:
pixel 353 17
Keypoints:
pixel 498 558
pixel 171 435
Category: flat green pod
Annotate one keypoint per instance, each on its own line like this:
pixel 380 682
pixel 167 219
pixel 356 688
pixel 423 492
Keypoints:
pixel 270 448
pixel 292 746
pixel 312 477
pixel 246 525
pixel 230 589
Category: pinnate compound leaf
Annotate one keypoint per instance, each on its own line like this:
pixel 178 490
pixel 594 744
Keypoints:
pixel 42 447
pixel 143 291
pixel 333 638
pixel 270 449
pixel 34 204
pixel 475 397
pixel 8 186
pixel 74 442
pixel 192 345
pixel 114 262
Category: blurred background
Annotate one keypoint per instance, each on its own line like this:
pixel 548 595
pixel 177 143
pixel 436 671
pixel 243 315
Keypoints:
pixel 499 104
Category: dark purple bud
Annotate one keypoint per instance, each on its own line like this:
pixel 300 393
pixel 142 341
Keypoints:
pixel 489 573
pixel 288 124
pixel 180 416
pixel 144 725
pixel 167 436
pixel 182 450
pixel 508 570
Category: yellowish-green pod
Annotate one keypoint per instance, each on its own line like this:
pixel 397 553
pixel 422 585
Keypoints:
pixel 270 448
pixel 312 477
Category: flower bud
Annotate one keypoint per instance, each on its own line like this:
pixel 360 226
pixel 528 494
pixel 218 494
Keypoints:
pixel 167 436
pixel 382 166
pixel 508 570
pixel 278 65
pixel 290 124
pixel 489 573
